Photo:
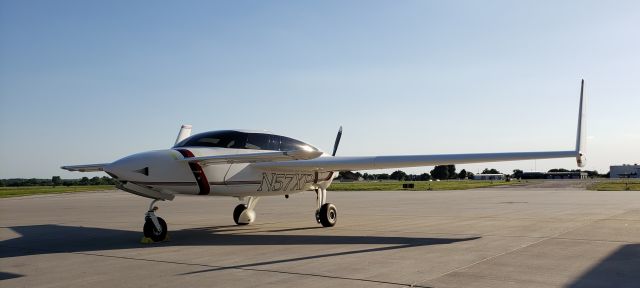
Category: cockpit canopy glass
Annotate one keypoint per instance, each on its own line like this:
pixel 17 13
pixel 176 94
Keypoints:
pixel 244 140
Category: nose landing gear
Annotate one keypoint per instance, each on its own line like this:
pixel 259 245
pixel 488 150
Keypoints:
pixel 155 228
pixel 245 214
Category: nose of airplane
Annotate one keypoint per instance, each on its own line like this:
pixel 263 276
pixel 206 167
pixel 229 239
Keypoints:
pixel 134 167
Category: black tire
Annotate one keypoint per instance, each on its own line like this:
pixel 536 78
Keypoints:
pixel 236 213
pixel 152 233
pixel 328 215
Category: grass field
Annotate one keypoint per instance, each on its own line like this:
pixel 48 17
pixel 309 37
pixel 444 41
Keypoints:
pixel 419 185
pixel 606 185
pixel 616 185
pixel 35 190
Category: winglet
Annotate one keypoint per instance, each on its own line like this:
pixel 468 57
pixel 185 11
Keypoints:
pixel 580 157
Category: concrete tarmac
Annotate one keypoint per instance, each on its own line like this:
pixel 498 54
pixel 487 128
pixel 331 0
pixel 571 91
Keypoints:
pixel 497 237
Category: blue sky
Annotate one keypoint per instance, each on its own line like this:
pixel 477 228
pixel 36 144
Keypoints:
pixel 93 81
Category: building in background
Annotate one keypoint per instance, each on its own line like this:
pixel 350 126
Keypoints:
pixel 532 175
pixel 489 177
pixel 555 175
pixel 566 175
pixel 624 171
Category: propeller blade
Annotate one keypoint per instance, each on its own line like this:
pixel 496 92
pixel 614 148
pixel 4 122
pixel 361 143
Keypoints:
pixel 335 145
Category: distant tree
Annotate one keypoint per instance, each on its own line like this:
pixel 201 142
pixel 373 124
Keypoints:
pixel 398 175
pixel 440 172
pixel 95 181
pixel 517 173
pixel 490 171
pixel 349 175
pixel 559 170
pixel 67 183
pixel 84 181
pixel 31 182
pixel 56 181
pixel 107 180
pixel 451 169
pixel 424 177
pixel 470 175
pixel 462 174
pixel 383 176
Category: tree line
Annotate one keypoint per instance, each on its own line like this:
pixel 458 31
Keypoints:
pixel 440 172
pixel 445 172
pixel 57 181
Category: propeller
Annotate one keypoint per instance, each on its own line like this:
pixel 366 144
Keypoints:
pixel 335 145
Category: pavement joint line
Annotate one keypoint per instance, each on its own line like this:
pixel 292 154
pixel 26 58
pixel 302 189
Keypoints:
pixel 500 216
pixel 498 236
pixel 518 248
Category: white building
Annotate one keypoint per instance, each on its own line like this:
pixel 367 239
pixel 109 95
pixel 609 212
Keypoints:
pixel 624 171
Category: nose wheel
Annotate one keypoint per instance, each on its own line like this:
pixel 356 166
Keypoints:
pixel 155 228
pixel 237 212
pixel 245 214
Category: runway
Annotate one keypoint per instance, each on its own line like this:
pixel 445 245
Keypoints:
pixel 498 237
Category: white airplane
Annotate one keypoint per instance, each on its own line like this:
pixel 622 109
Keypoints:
pixel 249 165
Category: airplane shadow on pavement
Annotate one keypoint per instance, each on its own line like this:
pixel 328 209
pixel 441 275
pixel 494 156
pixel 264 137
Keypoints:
pixel 620 269
pixel 48 239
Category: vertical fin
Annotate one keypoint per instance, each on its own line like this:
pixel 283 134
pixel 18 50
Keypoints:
pixel 580 158
pixel 185 131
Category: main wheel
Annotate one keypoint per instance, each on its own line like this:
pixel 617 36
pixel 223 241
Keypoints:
pixel 328 215
pixel 150 230
pixel 236 213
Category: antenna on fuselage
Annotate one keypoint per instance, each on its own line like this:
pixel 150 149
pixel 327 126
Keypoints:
pixel 335 145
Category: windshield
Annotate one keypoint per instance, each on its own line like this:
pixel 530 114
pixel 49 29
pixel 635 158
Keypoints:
pixel 243 140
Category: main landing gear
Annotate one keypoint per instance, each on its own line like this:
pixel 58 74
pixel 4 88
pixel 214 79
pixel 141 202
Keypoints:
pixel 326 213
pixel 245 214
pixel 155 228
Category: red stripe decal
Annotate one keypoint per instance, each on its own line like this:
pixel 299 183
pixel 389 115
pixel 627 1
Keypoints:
pixel 198 173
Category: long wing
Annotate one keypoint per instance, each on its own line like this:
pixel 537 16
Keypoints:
pixel 86 167
pixel 254 157
pixel 386 162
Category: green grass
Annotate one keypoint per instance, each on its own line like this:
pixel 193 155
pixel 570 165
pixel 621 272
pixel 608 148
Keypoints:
pixel 616 185
pixel 419 185
pixel 36 190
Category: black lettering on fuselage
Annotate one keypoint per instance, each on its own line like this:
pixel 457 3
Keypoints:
pixel 266 180
pixel 284 182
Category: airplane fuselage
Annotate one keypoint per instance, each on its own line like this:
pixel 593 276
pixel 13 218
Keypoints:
pixel 158 170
